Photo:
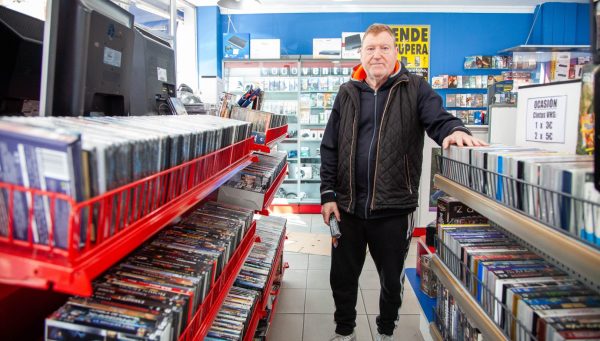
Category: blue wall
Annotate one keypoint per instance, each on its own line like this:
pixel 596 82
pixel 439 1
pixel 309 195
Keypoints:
pixel 209 41
pixel 561 24
pixel 453 36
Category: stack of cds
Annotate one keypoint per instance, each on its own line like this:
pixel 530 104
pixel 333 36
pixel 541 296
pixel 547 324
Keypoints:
pixel 261 121
pixel 259 176
pixel 565 197
pixel 154 292
pixel 520 291
pixel 252 278
pixel 452 322
pixel 259 264
pixel 88 156
pixel 235 314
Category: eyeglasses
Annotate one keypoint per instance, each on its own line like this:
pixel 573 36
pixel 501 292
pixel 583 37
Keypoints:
pixel 370 50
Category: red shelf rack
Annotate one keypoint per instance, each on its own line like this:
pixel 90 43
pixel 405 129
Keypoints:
pixel 114 227
pixel 208 310
pixel 273 136
pixel 260 311
pixel 270 193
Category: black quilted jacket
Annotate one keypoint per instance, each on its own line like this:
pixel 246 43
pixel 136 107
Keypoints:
pixel 372 149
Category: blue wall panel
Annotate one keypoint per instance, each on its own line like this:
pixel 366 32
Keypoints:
pixel 209 40
pixel 453 35
pixel 562 24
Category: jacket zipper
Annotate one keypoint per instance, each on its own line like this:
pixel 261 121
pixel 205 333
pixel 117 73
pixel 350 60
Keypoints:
pixel 351 154
pixel 370 149
pixel 407 174
pixel 387 102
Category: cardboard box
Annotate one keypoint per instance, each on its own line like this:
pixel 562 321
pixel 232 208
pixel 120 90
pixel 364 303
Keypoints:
pixel 242 198
pixel 451 211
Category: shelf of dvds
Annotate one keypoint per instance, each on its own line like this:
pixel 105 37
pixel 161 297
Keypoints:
pixel 273 136
pixel 467 303
pixel 103 230
pixel 581 259
pixel 207 311
pixel 261 310
pixel 270 194
pixel 311 85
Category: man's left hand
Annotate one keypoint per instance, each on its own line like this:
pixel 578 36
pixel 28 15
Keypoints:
pixel 461 139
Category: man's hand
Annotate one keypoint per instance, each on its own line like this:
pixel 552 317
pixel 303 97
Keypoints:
pixel 327 209
pixel 462 139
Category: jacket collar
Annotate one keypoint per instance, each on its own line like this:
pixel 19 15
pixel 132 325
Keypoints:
pixel 359 74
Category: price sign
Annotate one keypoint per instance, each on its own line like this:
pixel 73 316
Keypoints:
pixel 546 119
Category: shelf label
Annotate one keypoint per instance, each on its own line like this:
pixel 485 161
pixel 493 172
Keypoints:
pixel 545 118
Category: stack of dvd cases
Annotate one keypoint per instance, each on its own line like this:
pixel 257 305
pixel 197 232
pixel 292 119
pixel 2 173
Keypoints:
pixel 259 176
pixel 521 292
pixel 451 321
pixel 557 189
pixel 259 264
pixel 232 320
pixel 154 292
pixel 85 157
pixel 253 278
pixel 261 121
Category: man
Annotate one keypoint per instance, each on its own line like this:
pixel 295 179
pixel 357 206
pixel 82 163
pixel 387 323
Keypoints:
pixel 371 157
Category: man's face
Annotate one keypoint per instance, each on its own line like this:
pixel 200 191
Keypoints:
pixel 378 55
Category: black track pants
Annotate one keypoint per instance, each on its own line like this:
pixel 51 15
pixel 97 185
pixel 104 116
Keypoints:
pixel 388 240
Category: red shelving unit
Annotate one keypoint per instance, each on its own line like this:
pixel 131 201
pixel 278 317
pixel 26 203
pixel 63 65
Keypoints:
pixel 260 311
pixel 115 223
pixel 208 310
pixel 273 136
pixel 270 193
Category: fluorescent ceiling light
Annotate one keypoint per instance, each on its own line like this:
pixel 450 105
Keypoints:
pixel 237 4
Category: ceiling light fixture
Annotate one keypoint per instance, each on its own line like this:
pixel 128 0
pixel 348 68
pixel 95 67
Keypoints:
pixel 237 4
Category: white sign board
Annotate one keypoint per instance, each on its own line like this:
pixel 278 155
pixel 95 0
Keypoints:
pixel 265 48
pixel 557 103
pixel 327 48
pixel 546 119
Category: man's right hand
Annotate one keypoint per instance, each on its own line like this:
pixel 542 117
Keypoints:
pixel 327 209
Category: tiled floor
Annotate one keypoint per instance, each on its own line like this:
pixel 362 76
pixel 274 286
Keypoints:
pixel 305 308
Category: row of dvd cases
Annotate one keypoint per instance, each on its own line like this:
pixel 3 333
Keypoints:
pixel 566 252
pixel 103 229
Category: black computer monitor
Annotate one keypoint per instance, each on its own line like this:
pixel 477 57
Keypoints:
pixel 88 51
pixel 153 79
pixel 21 62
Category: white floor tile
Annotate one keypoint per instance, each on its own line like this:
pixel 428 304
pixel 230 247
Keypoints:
pixel 318 279
pixel 410 304
pixel 319 327
pixel 411 261
pixel 317 262
pixel 286 327
pixel 407 329
pixel 294 279
pixel 369 280
pixel 296 261
pixel 369 263
pixel 298 220
pixel 321 302
pixel 302 227
pixel 291 301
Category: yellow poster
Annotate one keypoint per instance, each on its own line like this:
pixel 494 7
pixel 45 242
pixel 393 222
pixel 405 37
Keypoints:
pixel 413 47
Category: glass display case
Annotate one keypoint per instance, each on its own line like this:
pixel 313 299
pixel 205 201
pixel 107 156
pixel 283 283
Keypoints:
pixel 279 81
pixel 305 89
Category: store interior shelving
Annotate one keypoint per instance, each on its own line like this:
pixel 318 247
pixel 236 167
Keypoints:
pixel 72 270
pixel 568 252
